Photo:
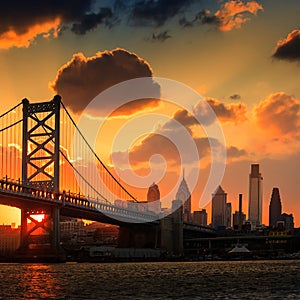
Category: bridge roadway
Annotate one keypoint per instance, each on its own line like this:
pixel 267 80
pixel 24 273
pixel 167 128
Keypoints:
pixel 17 195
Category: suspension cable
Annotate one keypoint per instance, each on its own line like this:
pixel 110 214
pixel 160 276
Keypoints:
pixel 4 114
pixel 97 157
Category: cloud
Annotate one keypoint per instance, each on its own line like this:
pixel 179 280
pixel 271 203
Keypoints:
pixel 82 78
pixel 156 12
pixel 160 37
pixel 234 13
pixel 279 113
pixel 92 20
pixel 23 21
pixel 235 97
pixel 289 48
pixel 232 112
pixel 203 17
pixel 231 15
pixel 234 152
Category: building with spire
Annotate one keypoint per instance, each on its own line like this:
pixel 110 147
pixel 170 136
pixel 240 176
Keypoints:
pixel 153 198
pixel 275 208
pixel 255 196
pixel 219 208
pixel 183 194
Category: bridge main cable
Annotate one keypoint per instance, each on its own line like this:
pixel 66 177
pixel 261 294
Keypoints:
pixel 96 156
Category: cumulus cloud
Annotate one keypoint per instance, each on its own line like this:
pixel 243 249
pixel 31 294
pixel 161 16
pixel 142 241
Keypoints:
pixel 279 113
pixel 289 48
pixel 232 112
pixel 82 78
pixel 23 21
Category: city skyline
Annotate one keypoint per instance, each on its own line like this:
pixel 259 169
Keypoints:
pixel 237 54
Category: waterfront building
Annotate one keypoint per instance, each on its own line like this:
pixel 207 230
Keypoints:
pixel 71 227
pixel 9 239
pixel 153 198
pixel 235 219
pixel 255 196
pixel 288 220
pixel 219 199
pixel 200 217
pixel 274 208
pixel 184 195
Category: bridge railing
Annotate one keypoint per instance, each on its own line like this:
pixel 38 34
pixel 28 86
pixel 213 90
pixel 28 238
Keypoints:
pixel 17 187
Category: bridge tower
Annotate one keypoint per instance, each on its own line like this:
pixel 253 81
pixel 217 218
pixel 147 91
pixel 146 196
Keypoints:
pixel 40 169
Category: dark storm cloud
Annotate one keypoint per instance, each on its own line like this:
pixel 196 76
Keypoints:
pixel 22 21
pixel 82 78
pixel 160 37
pixel 203 17
pixel 91 21
pixel 156 13
pixel 289 48
pixel 20 15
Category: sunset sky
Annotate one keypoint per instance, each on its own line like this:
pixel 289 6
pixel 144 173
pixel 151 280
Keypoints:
pixel 243 57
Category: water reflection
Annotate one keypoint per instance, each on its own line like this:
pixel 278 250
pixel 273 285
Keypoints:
pixel 39 282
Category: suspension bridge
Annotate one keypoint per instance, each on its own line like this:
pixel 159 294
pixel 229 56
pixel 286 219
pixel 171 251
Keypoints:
pixel 40 175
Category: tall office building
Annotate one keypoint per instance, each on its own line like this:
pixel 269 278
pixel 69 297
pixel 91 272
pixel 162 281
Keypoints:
pixel 153 198
pixel 255 195
pixel 274 208
pixel 184 195
pixel 228 214
pixel 219 208
pixel 200 217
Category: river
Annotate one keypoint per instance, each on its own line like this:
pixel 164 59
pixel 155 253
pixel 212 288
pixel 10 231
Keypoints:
pixel 174 280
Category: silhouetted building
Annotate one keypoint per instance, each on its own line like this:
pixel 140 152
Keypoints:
pixel 235 219
pixel 288 220
pixel 228 214
pixel 9 239
pixel 184 195
pixel 219 199
pixel 255 195
pixel 274 208
pixel 153 198
pixel 200 217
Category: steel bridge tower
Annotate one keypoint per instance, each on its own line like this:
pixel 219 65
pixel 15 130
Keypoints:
pixel 40 169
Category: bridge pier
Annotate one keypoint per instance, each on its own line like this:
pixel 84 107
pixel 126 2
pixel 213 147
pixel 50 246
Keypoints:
pixel 171 231
pixel 40 239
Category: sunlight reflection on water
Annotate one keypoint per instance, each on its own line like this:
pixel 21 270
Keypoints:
pixel 194 280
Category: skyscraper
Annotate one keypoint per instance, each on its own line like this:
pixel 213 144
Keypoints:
pixel 255 195
pixel 153 198
pixel 219 207
pixel 228 214
pixel 274 208
pixel 184 195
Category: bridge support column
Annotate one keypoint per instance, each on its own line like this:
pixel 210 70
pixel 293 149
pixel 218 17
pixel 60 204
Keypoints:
pixel 171 228
pixel 40 238
pixel 23 237
pixel 56 228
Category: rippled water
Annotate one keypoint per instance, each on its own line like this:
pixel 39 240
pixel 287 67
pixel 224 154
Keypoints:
pixel 191 280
